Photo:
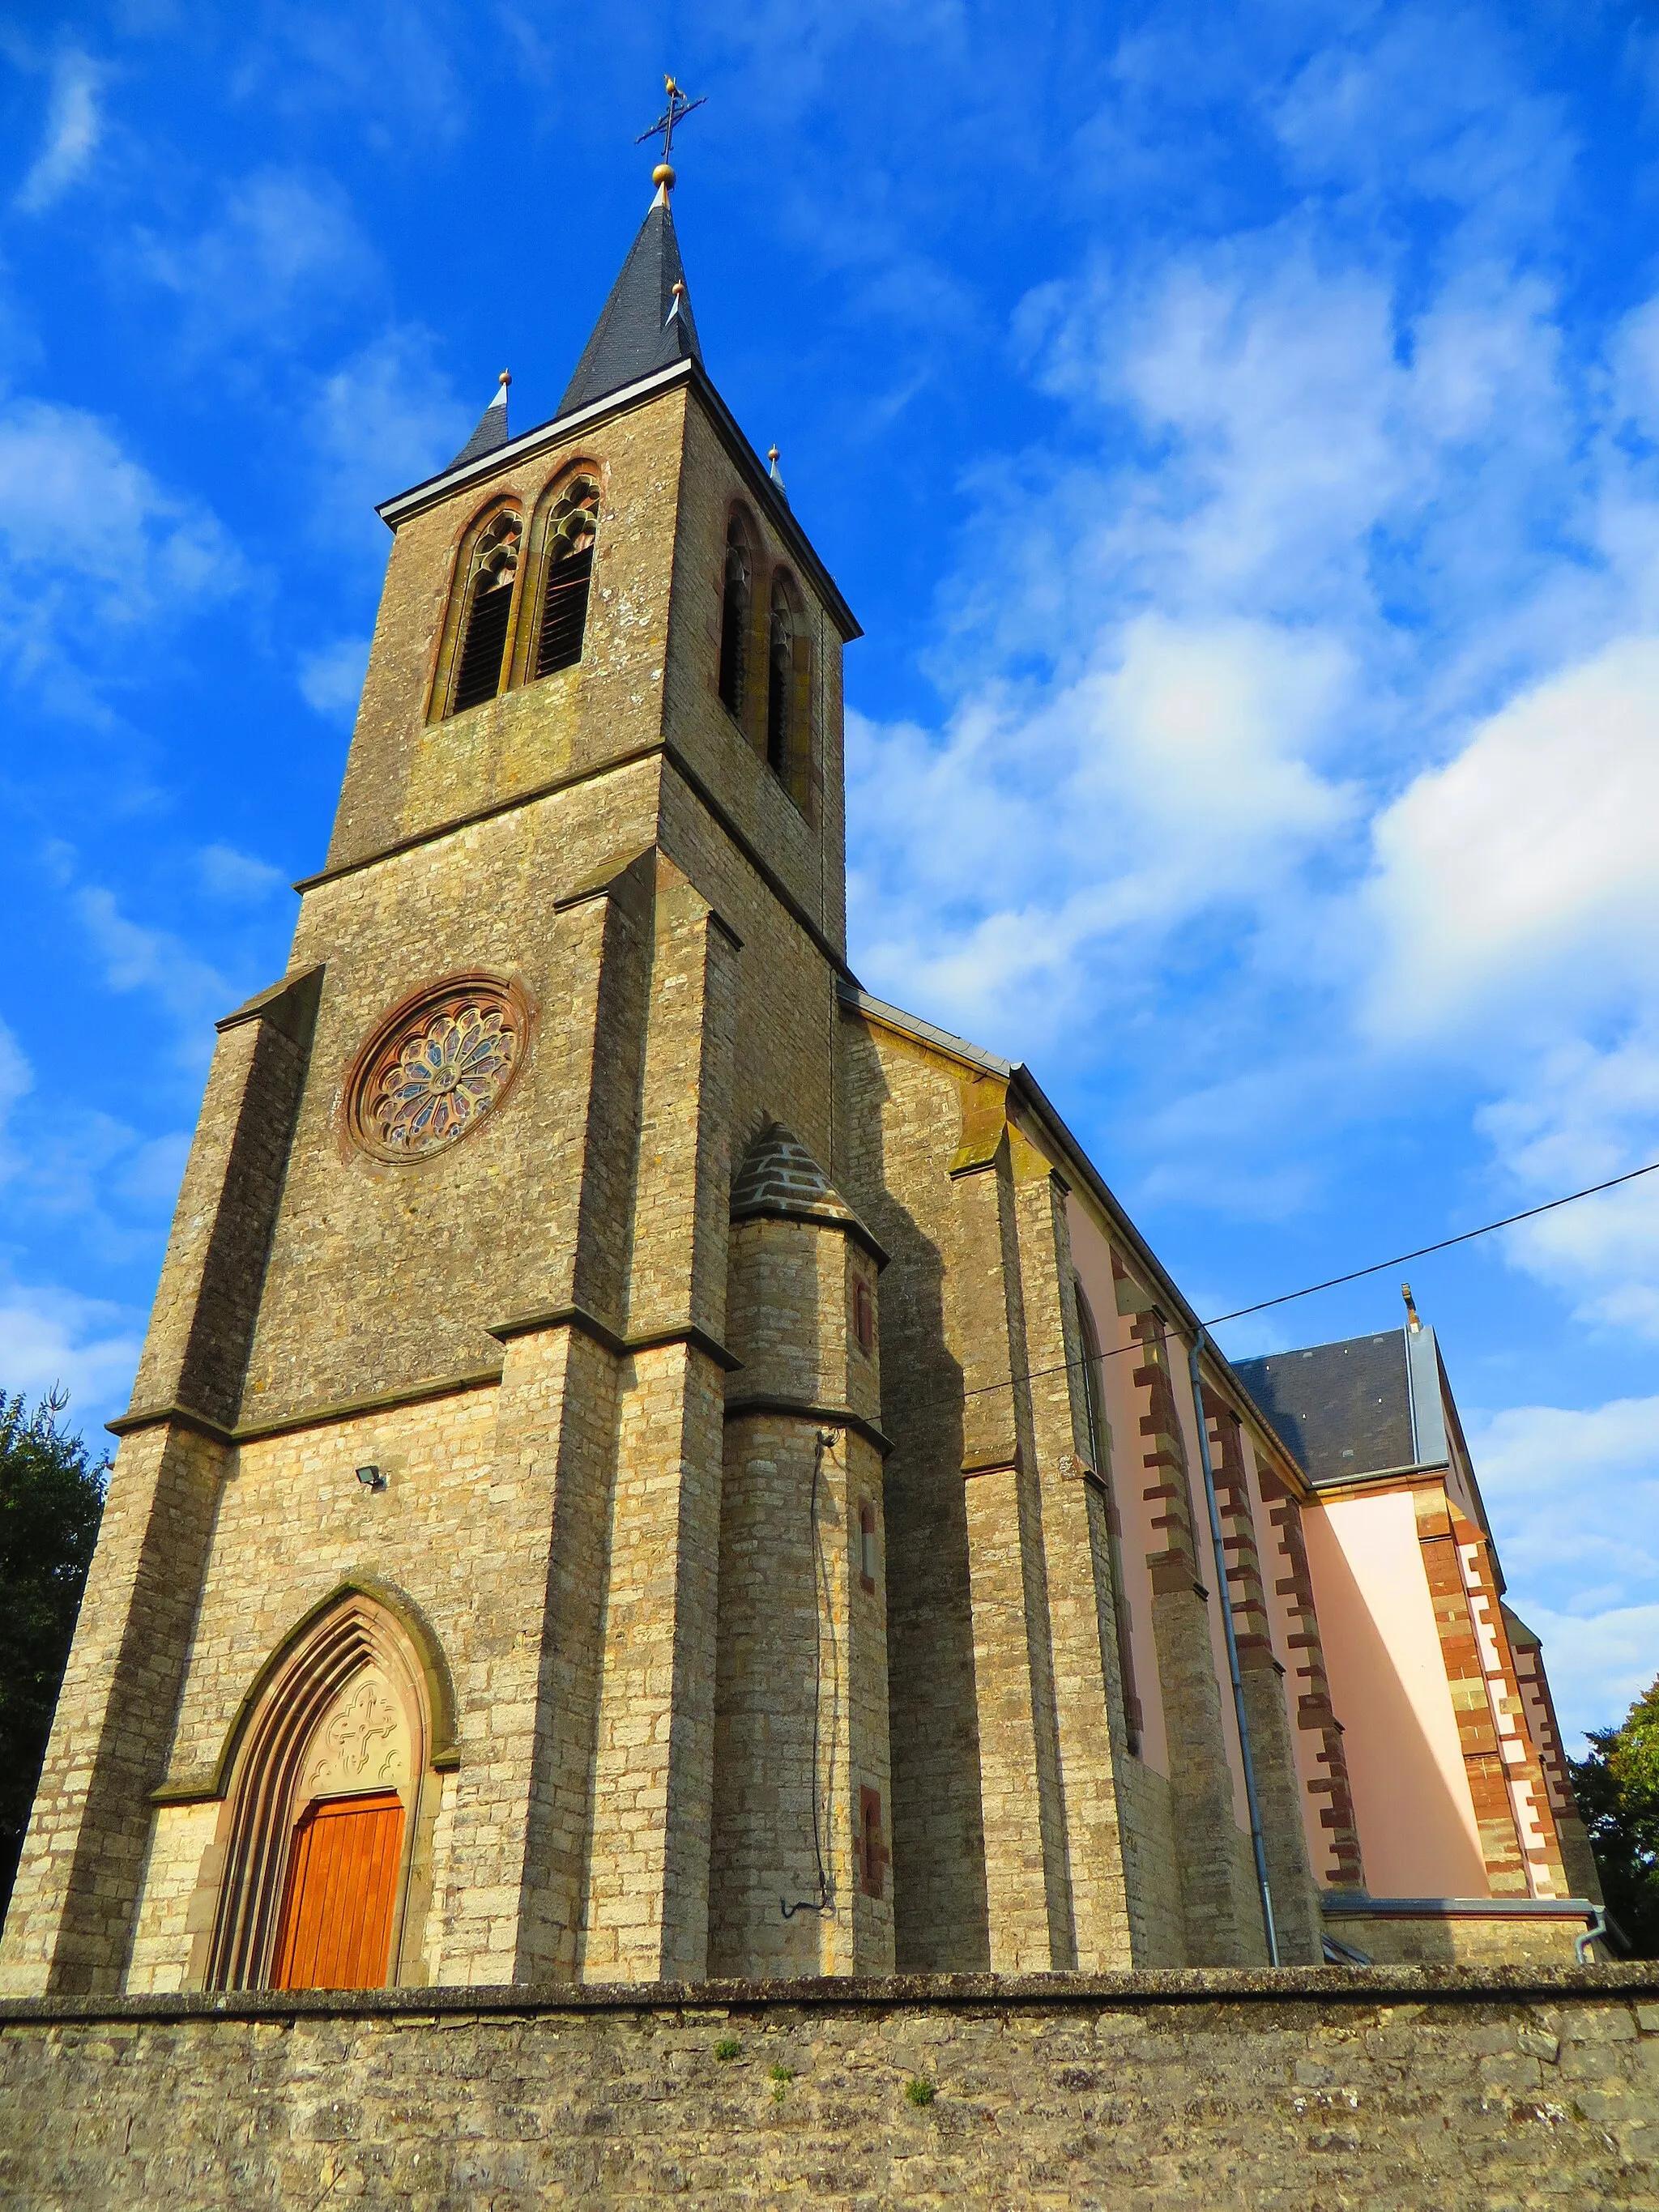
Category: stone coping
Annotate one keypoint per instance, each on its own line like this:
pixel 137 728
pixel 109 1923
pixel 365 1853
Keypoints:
pixel 1629 1980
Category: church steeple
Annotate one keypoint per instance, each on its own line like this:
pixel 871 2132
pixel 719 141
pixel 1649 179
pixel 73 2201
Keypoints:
pixel 647 323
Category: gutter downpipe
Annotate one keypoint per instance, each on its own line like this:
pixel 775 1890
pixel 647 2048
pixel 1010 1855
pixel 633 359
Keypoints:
pixel 1256 1845
pixel 1583 1946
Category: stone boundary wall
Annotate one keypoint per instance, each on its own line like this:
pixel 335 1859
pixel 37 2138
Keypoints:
pixel 1439 2087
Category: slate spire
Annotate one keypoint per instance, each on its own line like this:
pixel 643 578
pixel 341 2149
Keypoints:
pixel 492 427
pixel 647 323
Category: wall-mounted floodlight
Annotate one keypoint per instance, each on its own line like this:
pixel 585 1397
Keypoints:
pixel 371 1478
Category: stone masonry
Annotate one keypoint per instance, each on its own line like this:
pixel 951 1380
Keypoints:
pixel 1461 2089
pixel 702 1439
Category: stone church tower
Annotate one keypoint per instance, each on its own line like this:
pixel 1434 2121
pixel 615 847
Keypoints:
pixel 471 1386
pixel 648 1463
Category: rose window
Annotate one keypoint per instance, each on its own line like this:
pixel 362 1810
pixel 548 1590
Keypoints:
pixel 437 1069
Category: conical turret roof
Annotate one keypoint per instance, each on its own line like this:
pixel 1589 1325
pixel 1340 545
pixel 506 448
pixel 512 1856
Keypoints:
pixel 491 431
pixel 780 1176
pixel 646 322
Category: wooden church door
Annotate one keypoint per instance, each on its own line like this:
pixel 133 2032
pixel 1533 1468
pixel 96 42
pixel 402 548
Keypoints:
pixel 335 1927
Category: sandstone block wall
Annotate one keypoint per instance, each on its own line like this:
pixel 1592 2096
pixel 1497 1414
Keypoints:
pixel 1462 2090
pixel 407 773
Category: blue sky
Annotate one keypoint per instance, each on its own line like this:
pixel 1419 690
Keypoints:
pixel 1237 429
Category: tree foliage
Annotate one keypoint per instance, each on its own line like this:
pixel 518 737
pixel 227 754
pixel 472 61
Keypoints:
pixel 1618 1791
pixel 52 1499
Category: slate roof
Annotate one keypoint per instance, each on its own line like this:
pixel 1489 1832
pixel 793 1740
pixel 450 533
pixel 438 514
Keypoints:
pixel 1343 1409
pixel 490 433
pixel 779 1177
pixel 642 327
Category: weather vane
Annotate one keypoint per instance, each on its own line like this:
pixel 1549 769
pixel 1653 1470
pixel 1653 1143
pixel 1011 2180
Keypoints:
pixel 678 108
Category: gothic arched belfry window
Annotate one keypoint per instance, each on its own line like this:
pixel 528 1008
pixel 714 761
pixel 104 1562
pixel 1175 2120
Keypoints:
pixel 735 603
pixel 788 689
pixel 478 652
pixel 572 528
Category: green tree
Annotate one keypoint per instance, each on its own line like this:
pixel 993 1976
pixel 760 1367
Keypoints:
pixel 1618 1791
pixel 52 1499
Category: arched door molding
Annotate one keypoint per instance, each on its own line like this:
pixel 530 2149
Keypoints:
pixel 356 1697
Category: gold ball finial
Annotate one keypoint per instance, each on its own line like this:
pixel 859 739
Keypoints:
pixel 663 174
pixel 771 452
pixel 506 377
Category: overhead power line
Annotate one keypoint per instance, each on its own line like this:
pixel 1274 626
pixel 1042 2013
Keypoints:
pixel 1355 1275
pixel 1381 1266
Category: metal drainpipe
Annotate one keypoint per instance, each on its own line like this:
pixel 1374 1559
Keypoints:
pixel 1257 1843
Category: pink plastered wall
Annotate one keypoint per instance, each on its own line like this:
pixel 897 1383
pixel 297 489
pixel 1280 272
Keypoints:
pixel 1412 1804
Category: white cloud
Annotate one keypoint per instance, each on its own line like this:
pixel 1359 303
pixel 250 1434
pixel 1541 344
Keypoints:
pixel 1167 779
pixel 1277 467
pixel 16 1080
pixel 1574 1500
pixel 1521 881
pixel 332 678
pixel 386 419
pixel 91 545
pixel 50 1337
pixel 74 128
pixel 149 1181
pixel 1598 1663
pixel 282 250
pixel 236 878
pixel 136 958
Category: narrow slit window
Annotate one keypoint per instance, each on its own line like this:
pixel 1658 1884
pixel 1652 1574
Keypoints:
pixel 734 621
pixel 489 610
pixel 571 533
pixel 863 1317
pixel 1100 1454
pixel 869 1559
pixel 872 1853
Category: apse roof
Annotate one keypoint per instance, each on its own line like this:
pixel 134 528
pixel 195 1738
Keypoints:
pixel 1343 1409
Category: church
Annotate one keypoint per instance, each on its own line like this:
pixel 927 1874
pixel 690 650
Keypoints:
pixel 651 1465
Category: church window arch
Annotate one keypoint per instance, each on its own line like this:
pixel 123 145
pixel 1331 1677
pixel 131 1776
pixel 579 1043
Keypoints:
pixel 567 533
pixel 789 689
pixel 737 606
pixel 1109 1535
pixel 863 1317
pixel 331 1786
pixel 475 654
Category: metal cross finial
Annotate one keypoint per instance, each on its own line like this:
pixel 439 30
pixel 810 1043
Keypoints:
pixel 664 127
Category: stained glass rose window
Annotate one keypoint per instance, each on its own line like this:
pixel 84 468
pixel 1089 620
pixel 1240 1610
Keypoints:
pixel 437 1068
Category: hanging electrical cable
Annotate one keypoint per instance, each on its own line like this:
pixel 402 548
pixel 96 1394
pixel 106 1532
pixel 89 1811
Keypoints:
pixel 821 1903
pixel 1357 1274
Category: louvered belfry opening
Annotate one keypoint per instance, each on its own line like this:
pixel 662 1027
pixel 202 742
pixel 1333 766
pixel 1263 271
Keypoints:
pixel 734 619
pixel 780 679
pixel 489 608
pixel 571 533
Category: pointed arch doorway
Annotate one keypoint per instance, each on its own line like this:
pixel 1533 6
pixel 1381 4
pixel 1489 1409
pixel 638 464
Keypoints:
pixel 327 1805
